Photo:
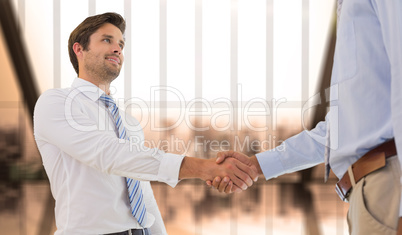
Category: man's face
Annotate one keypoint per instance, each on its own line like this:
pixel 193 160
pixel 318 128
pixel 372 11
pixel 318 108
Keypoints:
pixel 104 57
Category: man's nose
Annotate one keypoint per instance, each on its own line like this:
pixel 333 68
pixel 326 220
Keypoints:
pixel 117 49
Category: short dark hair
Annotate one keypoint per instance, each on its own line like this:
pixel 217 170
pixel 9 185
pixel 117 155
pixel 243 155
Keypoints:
pixel 82 33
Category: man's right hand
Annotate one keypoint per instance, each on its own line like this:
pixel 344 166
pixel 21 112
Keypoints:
pixel 225 184
pixel 241 175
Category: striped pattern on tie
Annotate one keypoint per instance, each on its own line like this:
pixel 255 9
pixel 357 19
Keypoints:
pixel 135 194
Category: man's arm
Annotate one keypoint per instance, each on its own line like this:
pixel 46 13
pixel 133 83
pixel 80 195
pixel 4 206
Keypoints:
pixel 60 123
pixel 301 151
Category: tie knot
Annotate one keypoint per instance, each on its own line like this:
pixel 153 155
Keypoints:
pixel 108 100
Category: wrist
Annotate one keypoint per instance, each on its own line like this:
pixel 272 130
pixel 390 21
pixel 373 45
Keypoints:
pixel 191 168
pixel 255 163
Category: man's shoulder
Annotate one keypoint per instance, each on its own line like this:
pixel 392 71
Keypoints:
pixel 53 94
pixel 51 102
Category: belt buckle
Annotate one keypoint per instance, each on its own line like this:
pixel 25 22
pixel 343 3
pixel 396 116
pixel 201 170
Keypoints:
pixel 339 191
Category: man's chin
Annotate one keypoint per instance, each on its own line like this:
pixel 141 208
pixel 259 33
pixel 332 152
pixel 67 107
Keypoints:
pixel 112 75
pixel 115 71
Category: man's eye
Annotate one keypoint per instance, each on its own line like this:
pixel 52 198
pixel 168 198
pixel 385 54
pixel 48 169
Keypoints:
pixel 106 40
pixel 121 46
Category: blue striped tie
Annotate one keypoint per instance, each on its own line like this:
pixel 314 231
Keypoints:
pixel 135 195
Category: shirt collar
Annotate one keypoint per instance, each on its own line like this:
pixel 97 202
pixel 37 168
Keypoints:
pixel 89 89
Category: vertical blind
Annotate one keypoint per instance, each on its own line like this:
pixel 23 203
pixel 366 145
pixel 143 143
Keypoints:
pixel 238 50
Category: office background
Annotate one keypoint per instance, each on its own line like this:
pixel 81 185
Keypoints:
pixel 201 76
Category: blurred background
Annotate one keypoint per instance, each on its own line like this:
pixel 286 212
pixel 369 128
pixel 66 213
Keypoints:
pixel 201 76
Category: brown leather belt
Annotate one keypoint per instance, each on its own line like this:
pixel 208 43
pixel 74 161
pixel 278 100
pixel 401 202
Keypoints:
pixel 371 161
pixel 144 231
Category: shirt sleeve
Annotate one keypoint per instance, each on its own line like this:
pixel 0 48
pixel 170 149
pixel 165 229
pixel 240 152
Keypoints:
pixel 64 123
pixel 296 153
pixel 390 18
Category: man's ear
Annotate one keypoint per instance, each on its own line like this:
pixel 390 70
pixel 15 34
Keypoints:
pixel 78 49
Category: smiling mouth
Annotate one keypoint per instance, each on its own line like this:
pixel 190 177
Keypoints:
pixel 113 59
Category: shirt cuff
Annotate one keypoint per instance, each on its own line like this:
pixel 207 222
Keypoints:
pixel 169 169
pixel 270 164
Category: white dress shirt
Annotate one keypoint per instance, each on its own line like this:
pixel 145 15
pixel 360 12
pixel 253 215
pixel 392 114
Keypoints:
pixel 365 93
pixel 87 164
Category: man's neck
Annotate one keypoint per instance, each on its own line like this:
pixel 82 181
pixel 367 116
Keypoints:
pixel 103 85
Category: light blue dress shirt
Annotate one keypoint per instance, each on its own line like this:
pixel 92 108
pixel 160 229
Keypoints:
pixel 365 93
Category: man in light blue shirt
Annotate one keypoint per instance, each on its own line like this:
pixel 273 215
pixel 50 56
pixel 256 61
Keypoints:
pixel 365 118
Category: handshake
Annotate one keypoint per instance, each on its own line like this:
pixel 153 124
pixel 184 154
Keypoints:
pixel 229 172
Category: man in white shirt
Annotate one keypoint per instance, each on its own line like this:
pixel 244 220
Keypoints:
pixel 85 156
pixel 362 133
